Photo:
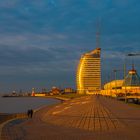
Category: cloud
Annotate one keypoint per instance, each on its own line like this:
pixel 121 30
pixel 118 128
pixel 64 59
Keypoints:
pixel 8 3
pixel 44 40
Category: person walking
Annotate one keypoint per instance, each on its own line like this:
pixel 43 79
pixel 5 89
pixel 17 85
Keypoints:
pixel 31 113
pixel 28 113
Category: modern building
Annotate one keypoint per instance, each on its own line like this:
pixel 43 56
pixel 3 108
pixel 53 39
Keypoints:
pixel 113 88
pixel 132 82
pixel 129 85
pixel 89 73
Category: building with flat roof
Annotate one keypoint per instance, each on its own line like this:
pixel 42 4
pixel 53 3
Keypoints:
pixel 88 76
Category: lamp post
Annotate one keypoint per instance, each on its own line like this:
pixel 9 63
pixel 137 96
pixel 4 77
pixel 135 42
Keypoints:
pixel 115 74
pixel 125 80
pixel 110 91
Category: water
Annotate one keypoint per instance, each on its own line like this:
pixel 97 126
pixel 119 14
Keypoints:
pixel 22 104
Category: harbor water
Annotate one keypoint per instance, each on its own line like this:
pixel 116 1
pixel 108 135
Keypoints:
pixel 22 104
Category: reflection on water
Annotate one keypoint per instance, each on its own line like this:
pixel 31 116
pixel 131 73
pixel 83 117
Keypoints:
pixel 22 104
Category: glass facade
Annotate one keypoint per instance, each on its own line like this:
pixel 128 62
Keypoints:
pixel 132 79
pixel 89 73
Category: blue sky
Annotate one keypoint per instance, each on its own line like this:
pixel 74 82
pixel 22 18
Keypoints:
pixel 41 41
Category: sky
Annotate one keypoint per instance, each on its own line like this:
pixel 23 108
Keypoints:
pixel 41 41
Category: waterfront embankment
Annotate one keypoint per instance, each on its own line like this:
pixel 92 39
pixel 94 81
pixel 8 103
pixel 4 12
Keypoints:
pixel 85 118
pixel 6 117
pixel 21 105
pixel 10 116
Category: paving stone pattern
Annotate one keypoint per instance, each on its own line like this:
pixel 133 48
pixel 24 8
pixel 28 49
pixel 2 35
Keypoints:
pixel 84 114
pixel 85 118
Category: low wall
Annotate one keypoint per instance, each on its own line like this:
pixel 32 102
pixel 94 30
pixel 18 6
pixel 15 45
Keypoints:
pixel 6 117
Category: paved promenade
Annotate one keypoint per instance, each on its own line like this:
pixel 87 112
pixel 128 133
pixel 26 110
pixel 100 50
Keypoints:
pixel 85 118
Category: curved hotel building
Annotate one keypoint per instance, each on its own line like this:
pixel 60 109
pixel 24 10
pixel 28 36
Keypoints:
pixel 89 73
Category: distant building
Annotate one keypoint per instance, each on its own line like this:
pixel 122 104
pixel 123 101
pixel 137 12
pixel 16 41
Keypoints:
pixel 55 91
pixel 69 90
pixel 33 92
pixel 39 94
pixel 89 73
pixel 14 93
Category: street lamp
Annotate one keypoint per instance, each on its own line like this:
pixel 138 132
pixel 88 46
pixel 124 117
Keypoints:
pixel 115 74
pixel 133 54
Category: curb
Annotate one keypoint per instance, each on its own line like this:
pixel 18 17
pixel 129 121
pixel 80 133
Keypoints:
pixel 13 117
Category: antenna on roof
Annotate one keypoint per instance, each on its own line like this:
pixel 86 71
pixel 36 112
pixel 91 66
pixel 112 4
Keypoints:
pixel 98 26
pixel 133 66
